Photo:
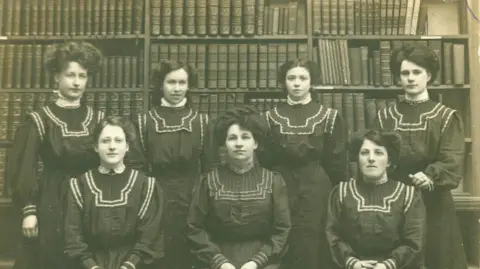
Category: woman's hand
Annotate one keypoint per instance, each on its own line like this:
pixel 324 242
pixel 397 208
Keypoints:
pixel 380 266
pixel 365 264
pixel 30 226
pixel 227 265
pixel 250 265
pixel 422 181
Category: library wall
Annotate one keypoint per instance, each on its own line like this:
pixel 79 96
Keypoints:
pixel 237 46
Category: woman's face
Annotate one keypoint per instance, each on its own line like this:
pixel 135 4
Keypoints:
pixel 112 145
pixel 175 86
pixel 372 160
pixel 240 143
pixel 414 78
pixel 297 82
pixel 72 81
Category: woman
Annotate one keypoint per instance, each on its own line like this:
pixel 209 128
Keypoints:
pixel 373 221
pixel 114 212
pixel 239 216
pixel 173 136
pixel 309 144
pixel 432 151
pixel 60 133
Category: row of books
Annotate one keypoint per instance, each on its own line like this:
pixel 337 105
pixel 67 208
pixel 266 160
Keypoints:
pixel 21 66
pixel 212 17
pixel 60 17
pixel 342 63
pixel 366 17
pixel 226 17
pixel 233 66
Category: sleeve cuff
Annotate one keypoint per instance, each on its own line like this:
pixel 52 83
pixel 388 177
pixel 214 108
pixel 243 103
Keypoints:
pixel 132 262
pixel 218 260
pixel 89 263
pixel 260 258
pixel 29 210
pixel 390 264
pixel 431 173
pixel 351 262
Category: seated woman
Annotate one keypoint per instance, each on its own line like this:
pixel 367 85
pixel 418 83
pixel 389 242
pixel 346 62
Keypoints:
pixel 239 216
pixel 114 212
pixel 374 221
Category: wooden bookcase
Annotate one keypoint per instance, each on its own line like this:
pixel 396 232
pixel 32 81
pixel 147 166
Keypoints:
pixel 142 41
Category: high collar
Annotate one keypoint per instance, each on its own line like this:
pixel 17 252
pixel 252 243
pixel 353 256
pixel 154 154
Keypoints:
pixel 241 169
pixel 424 97
pixel 305 101
pixel 165 103
pixel 65 103
pixel 108 171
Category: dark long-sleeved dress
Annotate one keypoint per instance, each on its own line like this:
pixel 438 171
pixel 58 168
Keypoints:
pixel 173 139
pixel 309 144
pixel 384 222
pixel 239 217
pixel 433 143
pixel 113 220
pixel 62 137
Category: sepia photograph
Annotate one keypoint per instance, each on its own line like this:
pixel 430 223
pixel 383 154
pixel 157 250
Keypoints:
pixel 239 134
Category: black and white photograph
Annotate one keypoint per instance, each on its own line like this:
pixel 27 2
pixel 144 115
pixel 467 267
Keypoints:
pixel 239 134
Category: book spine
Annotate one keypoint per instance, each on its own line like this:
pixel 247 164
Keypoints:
pixel 222 66
pixel 190 9
pixel 4 114
pixel 201 17
pixel 128 17
pixel 212 67
pixel 177 8
pixel 236 17
pixel 119 16
pixel 253 66
pixel 233 69
pixel 224 17
pixel 260 17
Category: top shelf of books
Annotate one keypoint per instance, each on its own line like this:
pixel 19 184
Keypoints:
pixel 233 19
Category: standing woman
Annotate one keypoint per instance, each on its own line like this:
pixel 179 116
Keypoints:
pixel 172 135
pixel 310 149
pixel 61 135
pixel 432 151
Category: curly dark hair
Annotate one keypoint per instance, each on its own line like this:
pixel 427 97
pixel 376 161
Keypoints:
pixel 160 71
pixel 58 56
pixel 417 54
pixel 247 117
pixel 391 140
pixel 311 66
pixel 126 125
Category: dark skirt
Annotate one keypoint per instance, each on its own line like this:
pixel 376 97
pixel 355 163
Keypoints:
pixel 308 189
pixel 47 250
pixel 177 191
pixel 444 249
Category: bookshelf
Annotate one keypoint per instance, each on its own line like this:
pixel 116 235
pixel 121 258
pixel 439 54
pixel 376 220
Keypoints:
pixel 237 46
